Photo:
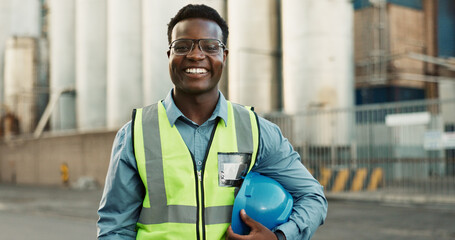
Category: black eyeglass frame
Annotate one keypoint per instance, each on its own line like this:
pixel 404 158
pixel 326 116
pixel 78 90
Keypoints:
pixel 220 43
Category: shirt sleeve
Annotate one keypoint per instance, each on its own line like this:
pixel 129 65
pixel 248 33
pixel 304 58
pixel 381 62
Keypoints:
pixel 124 191
pixel 278 160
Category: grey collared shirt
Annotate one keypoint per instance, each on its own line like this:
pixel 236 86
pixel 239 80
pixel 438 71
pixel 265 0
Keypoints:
pixel 124 192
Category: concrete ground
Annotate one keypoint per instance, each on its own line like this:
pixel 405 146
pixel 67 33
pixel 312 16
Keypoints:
pixel 47 213
pixel 353 219
pixel 56 213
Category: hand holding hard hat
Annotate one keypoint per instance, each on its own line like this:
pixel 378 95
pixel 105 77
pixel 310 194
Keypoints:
pixel 264 200
pixel 258 231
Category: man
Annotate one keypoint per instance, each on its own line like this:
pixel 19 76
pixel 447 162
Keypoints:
pixel 167 170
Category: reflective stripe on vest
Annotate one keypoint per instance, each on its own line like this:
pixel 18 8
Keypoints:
pixel 172 206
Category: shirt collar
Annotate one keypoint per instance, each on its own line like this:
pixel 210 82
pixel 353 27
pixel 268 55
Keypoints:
pixel 173 112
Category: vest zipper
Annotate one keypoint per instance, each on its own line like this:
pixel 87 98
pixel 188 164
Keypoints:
pixel 209 145
pixel 202 208
pixel 198 205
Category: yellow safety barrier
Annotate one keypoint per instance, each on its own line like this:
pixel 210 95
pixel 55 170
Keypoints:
pixel 326 173
pixel 376 179
pixel 350 179
pixel 359 179
pixel 340 180
pixel 311 171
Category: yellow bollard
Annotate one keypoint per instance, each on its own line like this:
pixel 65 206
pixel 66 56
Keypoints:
pixel 64 172
pixel 341 180
pixel 376 179
pixel 359 179
pixel 324 180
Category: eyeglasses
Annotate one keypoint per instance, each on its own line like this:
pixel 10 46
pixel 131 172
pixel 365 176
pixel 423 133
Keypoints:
pixel 207 46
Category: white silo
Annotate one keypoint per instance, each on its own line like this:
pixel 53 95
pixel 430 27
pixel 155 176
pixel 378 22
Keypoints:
pixel 253 55
pixel 62 62
pixel 218 5
pixel 25 18
pixel 17 18
pixel 156 16
pixel 91 31
pixel 20 80
pixel 5 11
pixel 124 61
pixel 318 65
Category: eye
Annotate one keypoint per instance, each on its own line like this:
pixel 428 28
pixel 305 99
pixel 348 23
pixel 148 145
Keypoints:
pixel 182 46
pixel 211 46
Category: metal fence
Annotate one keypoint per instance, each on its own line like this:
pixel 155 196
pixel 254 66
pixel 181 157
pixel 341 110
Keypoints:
pixel 407 147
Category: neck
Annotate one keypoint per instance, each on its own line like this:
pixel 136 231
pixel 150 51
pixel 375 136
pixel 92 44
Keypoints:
pixel 198 107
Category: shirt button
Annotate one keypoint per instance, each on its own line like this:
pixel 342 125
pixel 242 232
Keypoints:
pixel 199 163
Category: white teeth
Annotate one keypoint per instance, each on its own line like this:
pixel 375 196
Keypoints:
pixel 195 70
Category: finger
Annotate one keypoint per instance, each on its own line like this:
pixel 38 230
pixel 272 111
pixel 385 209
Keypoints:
pixel 248 220
pixel 229 231
pixel 231 235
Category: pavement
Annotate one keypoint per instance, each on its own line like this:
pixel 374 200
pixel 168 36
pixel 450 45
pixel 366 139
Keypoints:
pixel 47 213
pixel 397 197
pixel 59 201
pixel 65 213
pixel 348 219
pixel 83 203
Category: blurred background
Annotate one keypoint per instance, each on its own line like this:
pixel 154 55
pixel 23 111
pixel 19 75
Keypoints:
pixel 363 89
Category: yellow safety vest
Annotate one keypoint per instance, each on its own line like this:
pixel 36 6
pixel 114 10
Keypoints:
pixel 181 203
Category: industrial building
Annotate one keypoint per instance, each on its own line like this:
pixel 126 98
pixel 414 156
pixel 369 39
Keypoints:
pixel 403 50
pixel 72 71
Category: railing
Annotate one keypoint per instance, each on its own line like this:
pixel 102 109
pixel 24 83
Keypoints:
pixel 407 147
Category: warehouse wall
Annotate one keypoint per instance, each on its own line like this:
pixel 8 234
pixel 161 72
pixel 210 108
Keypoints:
pixel 38 161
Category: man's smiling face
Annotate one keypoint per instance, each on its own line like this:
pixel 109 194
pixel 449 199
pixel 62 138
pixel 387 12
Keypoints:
pixel 196 72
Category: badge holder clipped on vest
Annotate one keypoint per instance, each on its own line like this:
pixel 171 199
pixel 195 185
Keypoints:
pixel 264 200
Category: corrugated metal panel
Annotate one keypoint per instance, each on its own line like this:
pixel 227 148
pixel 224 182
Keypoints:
pixel 417 4
pixel 387 94
pixel 359 4
pixel 446 28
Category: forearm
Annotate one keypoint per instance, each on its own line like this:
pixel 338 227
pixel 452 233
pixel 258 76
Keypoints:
pixel 310 204
pixel 308 214
pixel 123 194
pixel 118 214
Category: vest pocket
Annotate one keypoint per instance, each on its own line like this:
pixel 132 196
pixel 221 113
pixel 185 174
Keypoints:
pixel 232 168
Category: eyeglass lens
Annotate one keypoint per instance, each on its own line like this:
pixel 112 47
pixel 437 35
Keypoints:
pixel 208 46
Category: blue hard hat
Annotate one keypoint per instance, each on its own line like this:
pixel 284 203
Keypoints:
pixel 264 200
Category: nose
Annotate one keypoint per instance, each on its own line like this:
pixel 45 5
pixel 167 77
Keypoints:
pixel 196 52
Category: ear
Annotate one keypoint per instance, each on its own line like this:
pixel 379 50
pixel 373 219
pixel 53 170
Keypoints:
pixel 225 54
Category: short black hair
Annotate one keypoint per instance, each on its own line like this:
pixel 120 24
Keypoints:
pixel 198 11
